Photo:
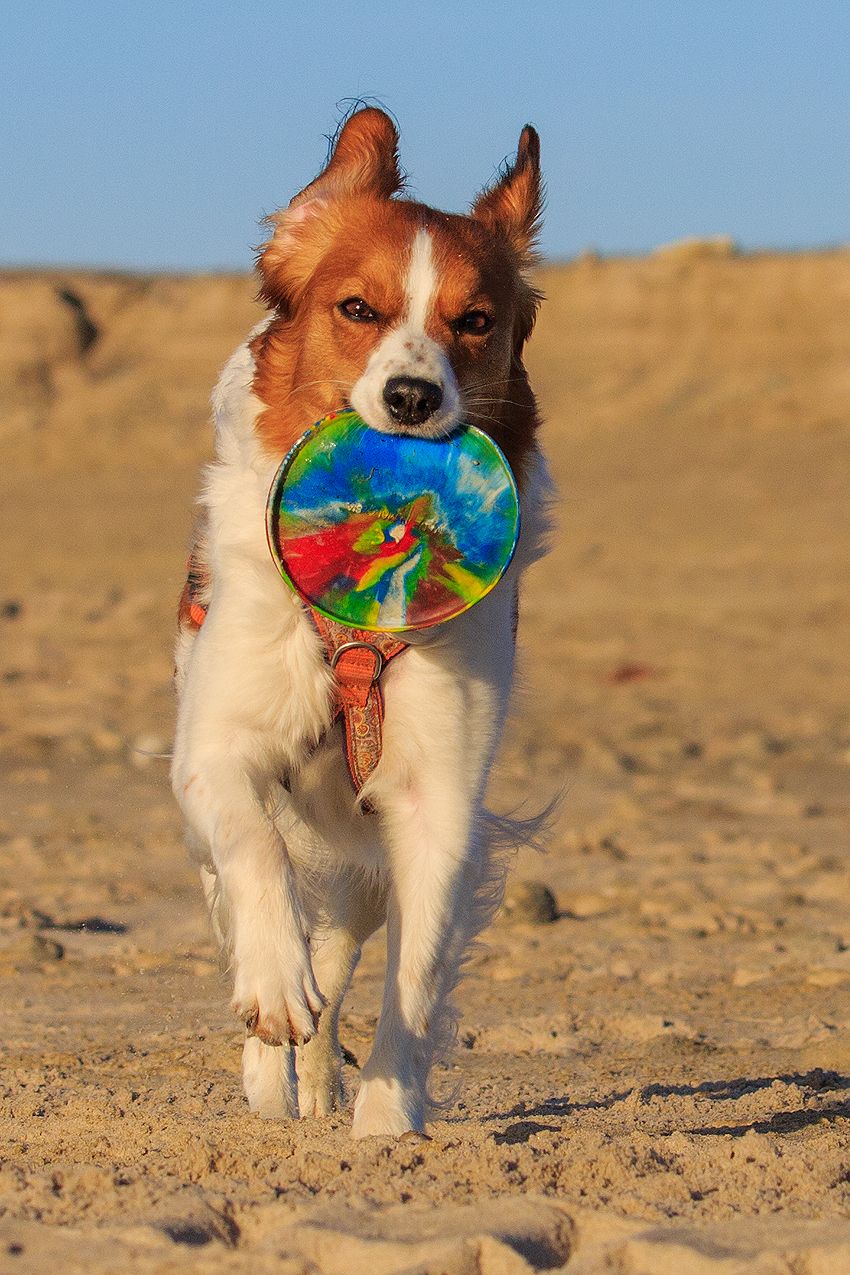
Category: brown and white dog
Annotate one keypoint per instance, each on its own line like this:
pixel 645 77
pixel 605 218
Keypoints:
pixel 416 319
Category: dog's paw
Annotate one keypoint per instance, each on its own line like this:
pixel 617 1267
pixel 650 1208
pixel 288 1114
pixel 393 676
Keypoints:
pixel 384 1108
pixel 319 1079
pixel 319 1096
pixel 281 1012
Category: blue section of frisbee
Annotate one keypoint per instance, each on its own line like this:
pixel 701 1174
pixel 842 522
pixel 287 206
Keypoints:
pixel 397 468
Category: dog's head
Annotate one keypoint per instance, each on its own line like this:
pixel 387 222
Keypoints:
pixel 415 318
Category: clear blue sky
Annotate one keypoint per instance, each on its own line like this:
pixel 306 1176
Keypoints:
pixel 155 135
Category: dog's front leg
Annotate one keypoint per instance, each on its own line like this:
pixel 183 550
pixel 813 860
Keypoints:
pixel 427 923
pixel 391 1099
pixel 352 907
pixel 275 991
pixel 442 727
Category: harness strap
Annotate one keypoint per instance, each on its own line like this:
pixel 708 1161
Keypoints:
pixel 357 658
pixel 191 612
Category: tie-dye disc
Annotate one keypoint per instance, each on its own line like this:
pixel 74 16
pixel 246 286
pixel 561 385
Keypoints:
pixel 387 532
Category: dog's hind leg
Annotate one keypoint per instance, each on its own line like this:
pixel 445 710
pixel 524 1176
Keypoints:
pixel 359 909
pixel 319 1062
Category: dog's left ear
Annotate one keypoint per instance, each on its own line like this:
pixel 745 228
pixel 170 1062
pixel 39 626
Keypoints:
pixel 513 205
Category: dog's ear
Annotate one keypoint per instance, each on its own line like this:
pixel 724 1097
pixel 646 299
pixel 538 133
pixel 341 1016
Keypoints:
pixel 512 206
pixel 364 161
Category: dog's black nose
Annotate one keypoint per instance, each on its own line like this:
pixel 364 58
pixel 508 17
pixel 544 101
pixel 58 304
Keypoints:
pixel 410 400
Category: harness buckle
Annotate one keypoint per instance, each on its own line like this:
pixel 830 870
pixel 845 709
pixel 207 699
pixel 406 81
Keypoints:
pixel 358 646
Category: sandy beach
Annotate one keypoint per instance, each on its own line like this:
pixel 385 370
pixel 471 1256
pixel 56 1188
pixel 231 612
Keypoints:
pixel 652 1075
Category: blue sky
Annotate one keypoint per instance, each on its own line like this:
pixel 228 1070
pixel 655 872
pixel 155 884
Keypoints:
pixel 156 135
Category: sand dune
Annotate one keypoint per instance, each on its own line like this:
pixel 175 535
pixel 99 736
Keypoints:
pixel 657 1079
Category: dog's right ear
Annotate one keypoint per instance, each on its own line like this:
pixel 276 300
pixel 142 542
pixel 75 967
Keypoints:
pixel 364 161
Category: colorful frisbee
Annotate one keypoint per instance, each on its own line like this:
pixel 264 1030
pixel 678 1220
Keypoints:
pixel 387 532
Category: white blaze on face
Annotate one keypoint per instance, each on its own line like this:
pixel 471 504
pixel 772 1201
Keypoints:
pixel 421 283
pixel 408 351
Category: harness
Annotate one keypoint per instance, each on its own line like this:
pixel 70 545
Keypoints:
pixel 357 659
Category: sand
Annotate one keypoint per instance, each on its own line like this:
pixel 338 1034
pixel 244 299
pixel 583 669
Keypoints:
pixel 656 1080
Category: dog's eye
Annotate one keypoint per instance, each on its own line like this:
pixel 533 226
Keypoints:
pixel 357 309
pixel 476 321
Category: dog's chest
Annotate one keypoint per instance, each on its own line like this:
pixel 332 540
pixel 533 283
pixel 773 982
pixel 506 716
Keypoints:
pixel 260 662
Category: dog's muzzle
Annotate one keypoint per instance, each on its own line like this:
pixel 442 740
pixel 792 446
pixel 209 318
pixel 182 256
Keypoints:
pixel 410 400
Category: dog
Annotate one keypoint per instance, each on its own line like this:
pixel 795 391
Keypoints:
pixel 415 319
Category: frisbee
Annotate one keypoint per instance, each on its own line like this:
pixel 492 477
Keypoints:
pixel 389 532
